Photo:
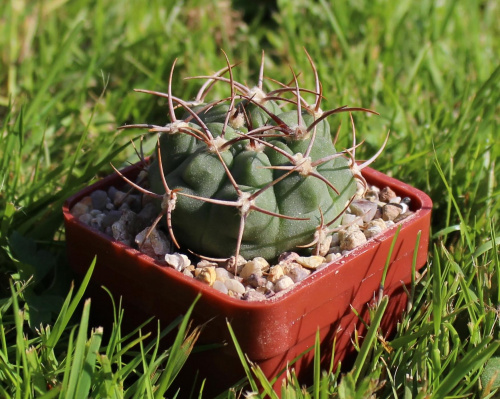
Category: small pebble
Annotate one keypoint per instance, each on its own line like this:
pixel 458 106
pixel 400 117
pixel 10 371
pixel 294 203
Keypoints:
pixel 377 222
pixel 220 286
pixel 324 245
pixel 335 239
pixel 99 199
pixel 96 221
pixel 283 283
pixel 222 274
pixel 287 257
pixel 298 273
pixel 148 212
pixel 255 280
pixel 230 264
pixel 406 200
pixel 364 208
pixel 395 200
pixel 79 209
pixel 269 287
pixel 349 218
pixel 206 263
pixel 386 194
pixel 188 272
pixel 119 198
pixel 256 266
pixel 124 229
pixel 275 273
pixel 124 207
pixel 360 189
pixel 310 262
pixel 372 231
pixel 190 268
pixel 254 295
pixel 235 286
pixel 390 211
pixel 85 218
pixel 155 244
pixel 372 195
pixel 332 257
pixel 404 208
pixel 177 261
pixel 206 275
pixel 403 216
pixel 111 193
pixel 134 202
pixel 348 229
pixel 288 266
pixel 352 240
pixel 95 212
pixel 335 249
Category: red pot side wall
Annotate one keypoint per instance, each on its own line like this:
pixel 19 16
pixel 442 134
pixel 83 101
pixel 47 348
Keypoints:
pixel 271 333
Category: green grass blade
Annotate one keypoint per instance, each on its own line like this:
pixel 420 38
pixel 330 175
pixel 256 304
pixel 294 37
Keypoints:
pixel 108 386
pixel 243 360
pixel 414 271
pixel 89 363
pixel 471 362
pixel 178 353
pixel 67 366
pixel 317 366
pixel 387 264
pixel 463 224
pixel 370 338
pixel 487 246
pixel 69 308
pixel 267 387
pixel 60 61
pixel 22 365
pixel 79 355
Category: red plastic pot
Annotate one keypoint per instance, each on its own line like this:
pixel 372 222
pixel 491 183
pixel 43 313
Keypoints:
pixel 271 333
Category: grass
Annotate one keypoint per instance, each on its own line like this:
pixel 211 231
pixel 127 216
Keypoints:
pixel 66 361
pixel 432 70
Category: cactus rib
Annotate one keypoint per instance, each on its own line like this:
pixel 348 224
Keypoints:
pixel 243 175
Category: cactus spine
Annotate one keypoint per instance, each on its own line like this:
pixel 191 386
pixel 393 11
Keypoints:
pixel 245 176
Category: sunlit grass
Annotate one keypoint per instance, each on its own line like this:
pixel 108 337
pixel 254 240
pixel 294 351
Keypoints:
pixel 431 69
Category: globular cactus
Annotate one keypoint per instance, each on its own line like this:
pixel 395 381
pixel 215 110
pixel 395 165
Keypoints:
pixel 254 174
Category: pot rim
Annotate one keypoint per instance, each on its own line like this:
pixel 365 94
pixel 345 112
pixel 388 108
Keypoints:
pixel 421 205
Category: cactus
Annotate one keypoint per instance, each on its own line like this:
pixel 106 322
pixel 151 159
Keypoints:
pixel 254 174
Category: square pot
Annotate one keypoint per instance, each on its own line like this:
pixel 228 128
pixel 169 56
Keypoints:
pixel 273 332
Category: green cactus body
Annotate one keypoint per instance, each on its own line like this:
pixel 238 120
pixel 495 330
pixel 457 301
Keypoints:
pixel 191 167
pixel 255 174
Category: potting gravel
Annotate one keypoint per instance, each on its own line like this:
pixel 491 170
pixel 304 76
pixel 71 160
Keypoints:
pixel 127 217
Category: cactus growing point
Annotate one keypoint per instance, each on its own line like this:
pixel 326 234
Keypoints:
pixel 245 176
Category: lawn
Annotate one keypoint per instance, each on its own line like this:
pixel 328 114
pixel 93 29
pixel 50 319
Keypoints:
pixel 67 74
